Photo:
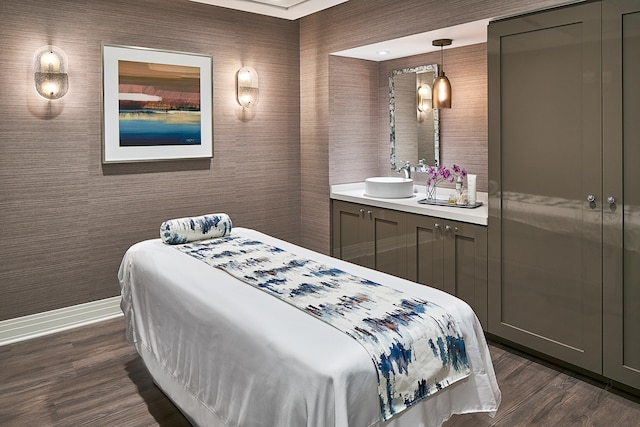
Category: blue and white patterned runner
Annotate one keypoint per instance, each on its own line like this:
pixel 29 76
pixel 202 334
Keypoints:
pixel 415 345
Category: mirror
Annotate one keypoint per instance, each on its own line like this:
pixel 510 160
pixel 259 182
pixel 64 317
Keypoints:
pixel 414 134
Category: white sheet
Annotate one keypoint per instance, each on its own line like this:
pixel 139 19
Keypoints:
pixel 231 355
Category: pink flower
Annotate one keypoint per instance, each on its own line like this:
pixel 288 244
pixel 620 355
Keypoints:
pixel 459 171
pixel 442 173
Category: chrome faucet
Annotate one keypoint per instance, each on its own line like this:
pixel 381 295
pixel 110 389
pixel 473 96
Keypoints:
pixel 406 169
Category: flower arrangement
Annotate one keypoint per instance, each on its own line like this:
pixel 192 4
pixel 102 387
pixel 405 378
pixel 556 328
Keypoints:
pixel 436 175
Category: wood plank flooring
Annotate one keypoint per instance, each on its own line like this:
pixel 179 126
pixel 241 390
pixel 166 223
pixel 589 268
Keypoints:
pixel 90 376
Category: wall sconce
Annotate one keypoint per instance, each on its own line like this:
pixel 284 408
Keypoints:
pixel 442 86
pixel 424 98
pixel 50 72
pixel 247 82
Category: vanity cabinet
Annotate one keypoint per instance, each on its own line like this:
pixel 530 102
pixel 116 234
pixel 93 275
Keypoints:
pixel 445 254
pixel 370 236
pixel 565 214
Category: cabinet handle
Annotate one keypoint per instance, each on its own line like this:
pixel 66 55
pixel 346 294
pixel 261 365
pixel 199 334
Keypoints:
pixel 362 213
pixel 611 200
pixel 370 214
pixel 591 198
pixel 437 226
pixel 448 229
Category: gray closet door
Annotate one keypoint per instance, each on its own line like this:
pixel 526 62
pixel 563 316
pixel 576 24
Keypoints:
pixel 621 180
pixel 545 237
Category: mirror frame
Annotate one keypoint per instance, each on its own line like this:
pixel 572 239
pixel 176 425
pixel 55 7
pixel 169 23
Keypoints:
pixel 392 106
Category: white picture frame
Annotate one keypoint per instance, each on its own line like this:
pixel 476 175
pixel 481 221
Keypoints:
pixel 157 105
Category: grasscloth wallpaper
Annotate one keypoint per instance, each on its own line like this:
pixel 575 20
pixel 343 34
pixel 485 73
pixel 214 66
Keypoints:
pixel 66 220
pixel 463 128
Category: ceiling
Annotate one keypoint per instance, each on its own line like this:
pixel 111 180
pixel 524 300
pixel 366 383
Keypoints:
pixel 287 9
pixel 462 35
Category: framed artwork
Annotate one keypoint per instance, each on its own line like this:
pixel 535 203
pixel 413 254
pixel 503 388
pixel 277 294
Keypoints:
pixel 157 105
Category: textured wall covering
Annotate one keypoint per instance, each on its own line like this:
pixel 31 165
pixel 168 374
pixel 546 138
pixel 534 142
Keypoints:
pixel 463 128
pixel 353 106
pixel 359 131
pixel 356 23
pixel 65 219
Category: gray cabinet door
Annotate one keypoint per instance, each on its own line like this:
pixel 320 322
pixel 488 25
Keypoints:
pixel 621 180
pixel 465 265
pixel 425 256
pixel 450 256
pixel 388 240
pixel 545 237
pixel 351 241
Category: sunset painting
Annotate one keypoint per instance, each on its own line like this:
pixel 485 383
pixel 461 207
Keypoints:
pixel 158 104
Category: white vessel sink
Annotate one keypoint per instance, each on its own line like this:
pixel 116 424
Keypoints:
pixel 388 187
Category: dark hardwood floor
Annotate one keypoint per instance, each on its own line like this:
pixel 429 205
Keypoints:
pixel 91 376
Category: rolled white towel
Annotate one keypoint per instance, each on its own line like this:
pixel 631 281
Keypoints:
pixel 190 229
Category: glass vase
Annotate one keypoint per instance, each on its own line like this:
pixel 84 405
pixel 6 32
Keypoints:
pixel 431 190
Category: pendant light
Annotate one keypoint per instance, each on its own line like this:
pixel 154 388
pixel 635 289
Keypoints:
pixel 441 87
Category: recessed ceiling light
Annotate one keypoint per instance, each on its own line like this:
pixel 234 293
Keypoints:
pixel 383 52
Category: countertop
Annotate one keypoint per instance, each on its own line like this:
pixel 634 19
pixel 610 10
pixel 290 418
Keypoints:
pixel 354 192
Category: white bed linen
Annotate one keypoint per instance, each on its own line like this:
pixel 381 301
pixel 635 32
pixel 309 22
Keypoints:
pixel 231 355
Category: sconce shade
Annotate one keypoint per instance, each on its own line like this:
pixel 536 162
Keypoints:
pixel 424 98
pixel 442 86
pixel 442 92
pixel 50 72
pixel 247 84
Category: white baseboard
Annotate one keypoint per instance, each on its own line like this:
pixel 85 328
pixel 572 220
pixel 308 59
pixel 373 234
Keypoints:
pixel 49 322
